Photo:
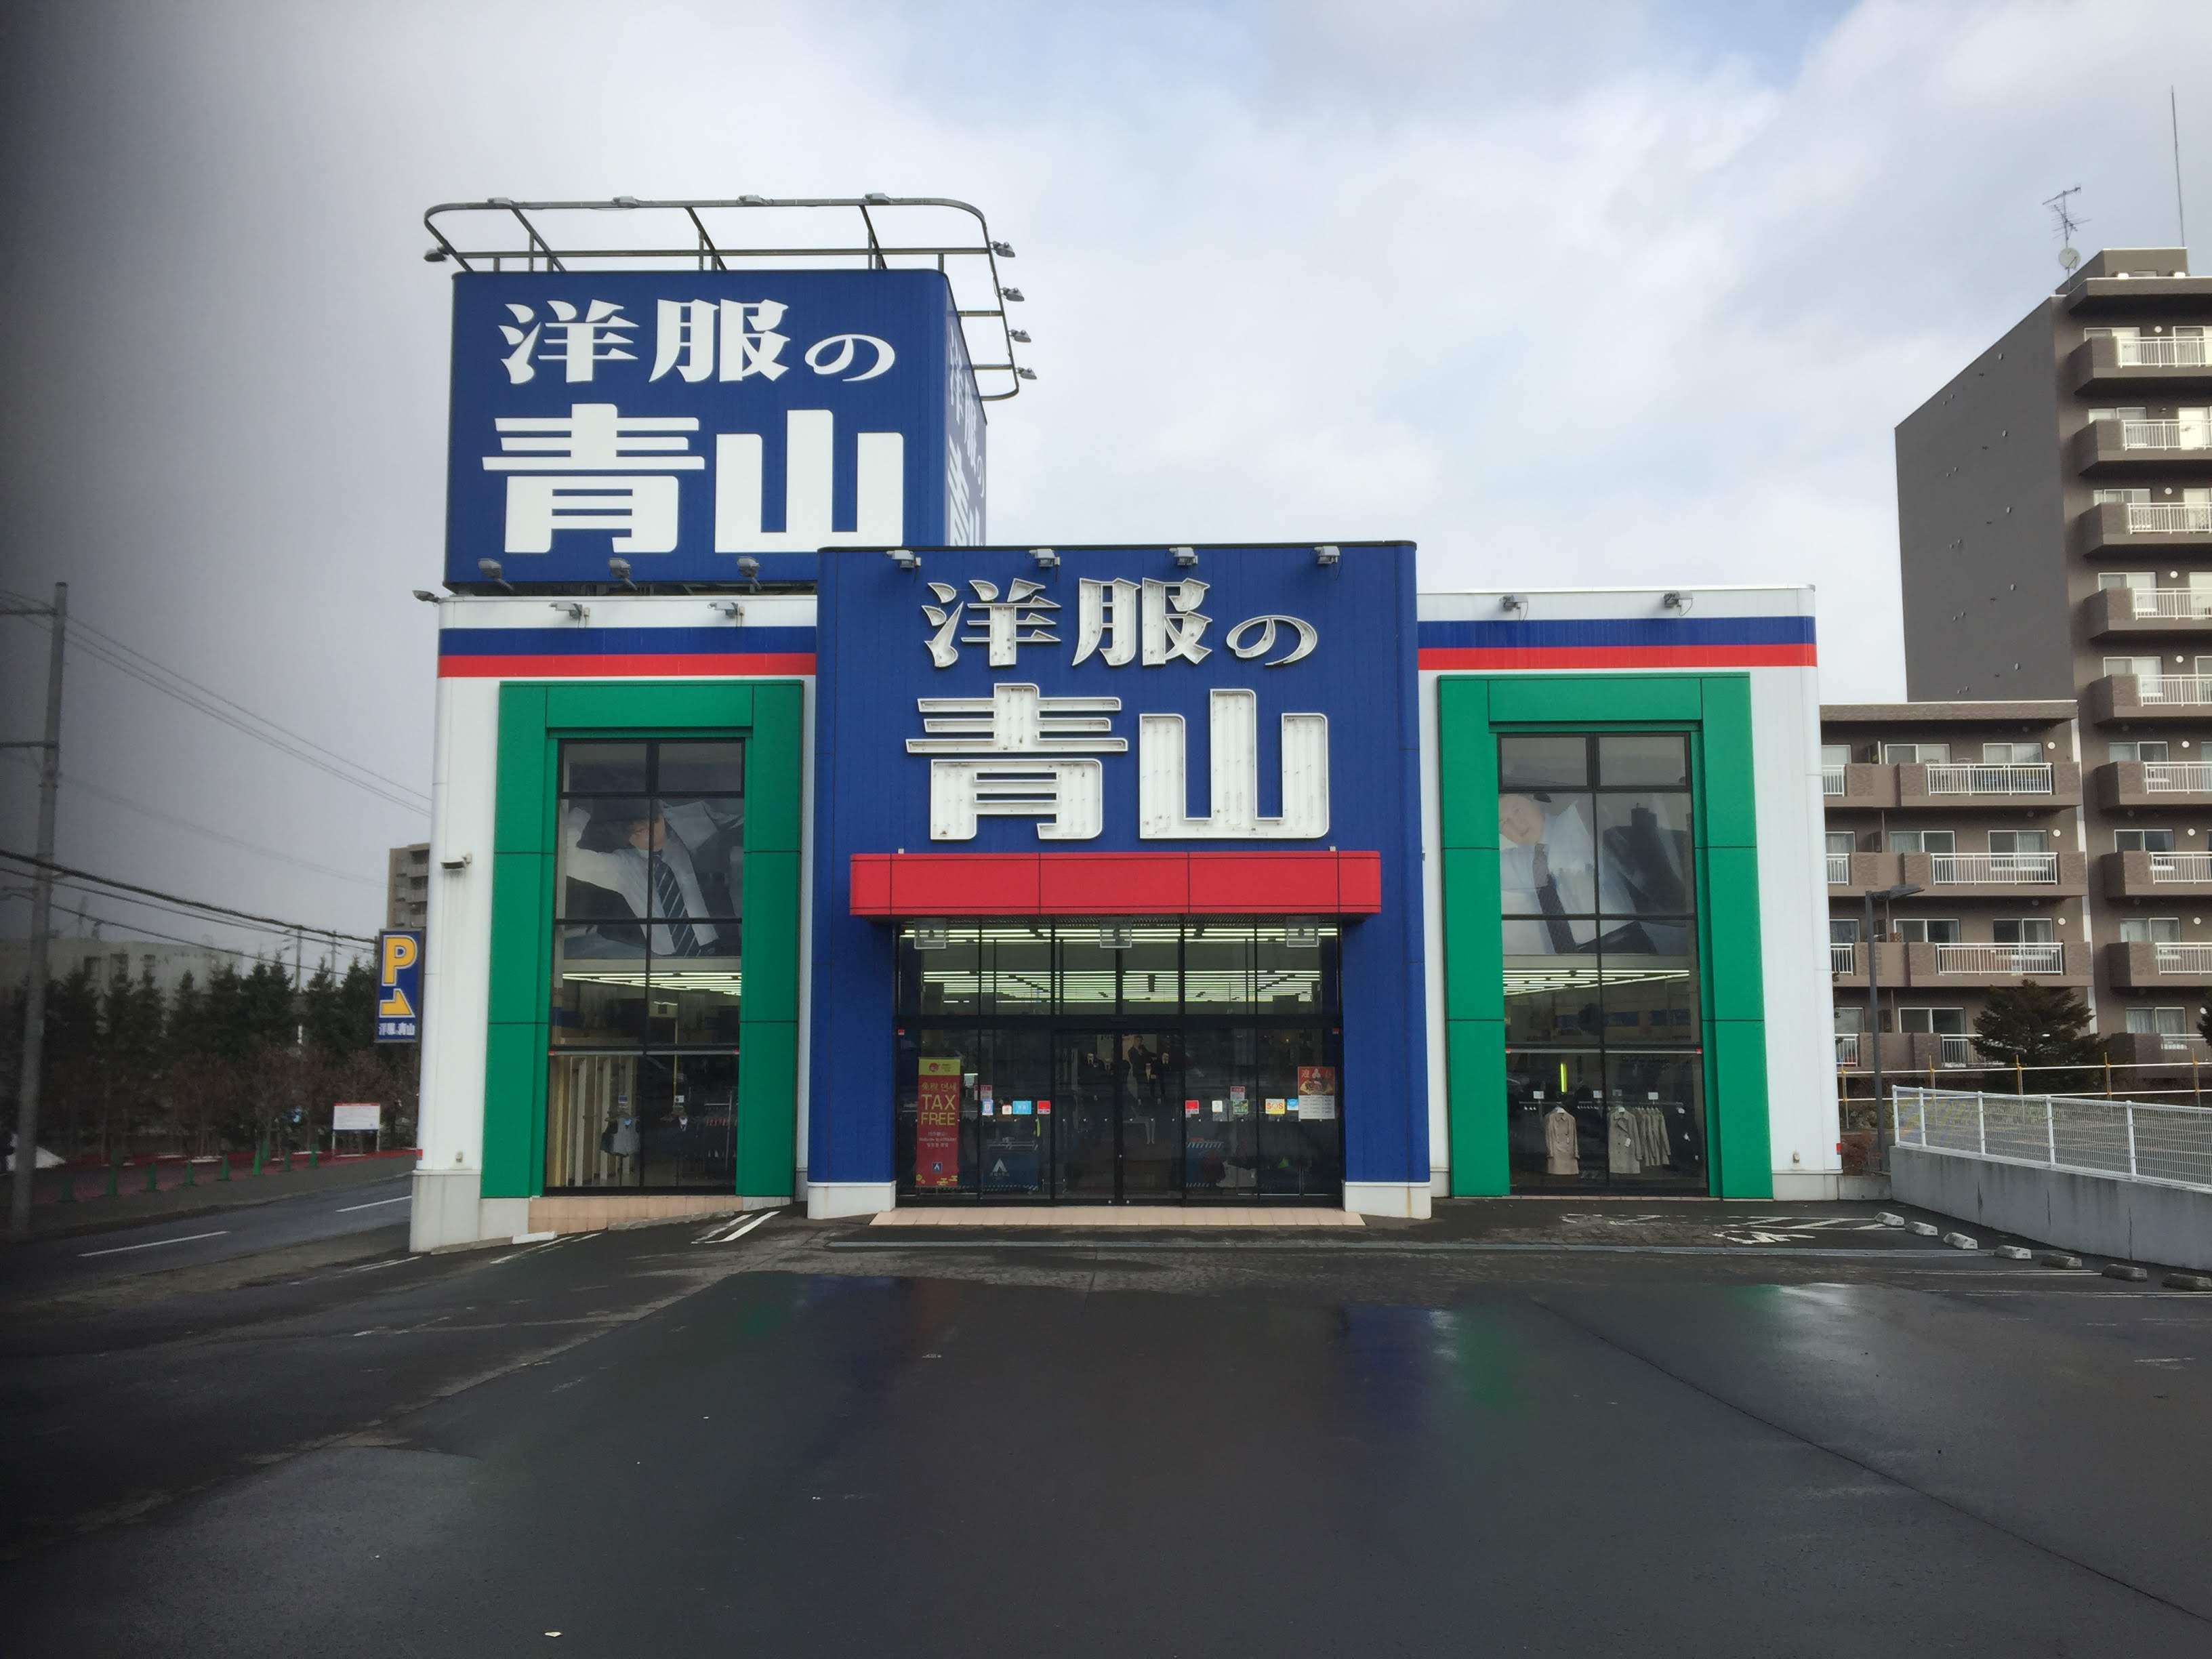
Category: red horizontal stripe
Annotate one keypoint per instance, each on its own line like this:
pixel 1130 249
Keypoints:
pixel 1298 883
pixel 645 664
pixel 1620 656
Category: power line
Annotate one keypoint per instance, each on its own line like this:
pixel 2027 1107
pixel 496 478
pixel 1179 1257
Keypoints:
pixel 282 932
pixel 299 927
pixel 94 789
pixel 126 660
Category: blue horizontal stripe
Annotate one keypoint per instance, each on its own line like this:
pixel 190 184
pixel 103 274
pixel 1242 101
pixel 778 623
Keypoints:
pixel 1538 633
pixel 620 641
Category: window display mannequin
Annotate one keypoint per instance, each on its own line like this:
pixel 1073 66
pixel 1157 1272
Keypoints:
pixel 1559 1142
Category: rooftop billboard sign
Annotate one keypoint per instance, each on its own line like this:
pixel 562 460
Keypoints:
pixel 685 421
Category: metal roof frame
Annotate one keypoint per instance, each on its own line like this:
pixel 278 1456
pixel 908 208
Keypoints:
pixel 501 234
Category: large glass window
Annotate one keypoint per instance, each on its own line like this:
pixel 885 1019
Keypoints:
pixel 648 977
pixel 1114 1058
pixel 1597 883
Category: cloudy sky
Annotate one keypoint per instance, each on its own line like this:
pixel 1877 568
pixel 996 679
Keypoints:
pixel 1609 292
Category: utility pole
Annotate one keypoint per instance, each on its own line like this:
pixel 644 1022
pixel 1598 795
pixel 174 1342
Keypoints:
pixel 1888 895
pixel 42 907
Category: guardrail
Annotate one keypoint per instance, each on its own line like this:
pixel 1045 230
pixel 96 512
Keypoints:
pixel 2171 688
pixel 2185 959
pixel 1955 1050
pixel 2177 778
pixel 2033 779
pixel 2133 1138
pixel 2170 518
pixel 1843 958
pixel 2188 604
pixel 1839 868
pixel 2181 867
pixel 1831 781
pixel 2166 435
pixel 1995 869
pixel 2168 351
pixel 1847 1048
pixel 2003 958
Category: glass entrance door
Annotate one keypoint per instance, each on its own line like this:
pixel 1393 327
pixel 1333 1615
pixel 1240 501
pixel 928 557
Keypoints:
pixel 1120 1110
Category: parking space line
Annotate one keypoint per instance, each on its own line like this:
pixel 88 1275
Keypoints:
pixel 153 1244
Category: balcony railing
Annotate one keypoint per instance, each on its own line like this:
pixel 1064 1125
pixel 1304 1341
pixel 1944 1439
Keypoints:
pixel 2012 869
pixel 2177 777
pixel 2189 603
pixel 2171 351
pixel 2170 518
pixel 1831 781
pixel 1952 1049
pixel 2195 432
pixel 1847 1048
pixel 2173 688
pixel 2194 959
pixel 2027 780
pixel 2181 867
pixel 1843 958
pixel 2005 958
pixel 1839 868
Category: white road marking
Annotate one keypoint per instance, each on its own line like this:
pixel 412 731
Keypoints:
pixel 734 1237
pixel 152 1244
pixel 350 1208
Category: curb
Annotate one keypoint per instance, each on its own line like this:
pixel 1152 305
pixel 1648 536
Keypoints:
pixel 2122 1271
pixel 124 1224
pixel 2186 1282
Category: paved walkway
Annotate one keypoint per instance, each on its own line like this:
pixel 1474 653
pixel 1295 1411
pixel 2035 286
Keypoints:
pixel 1157 1217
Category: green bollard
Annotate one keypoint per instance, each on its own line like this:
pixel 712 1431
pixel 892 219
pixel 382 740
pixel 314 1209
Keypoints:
pixel 191 1180
pixel 260 1150
pixel 114 1177
pixel 69 1183
pixel 288 1160
pixel 312 1151
pixel 225 1161
pixel 153 1175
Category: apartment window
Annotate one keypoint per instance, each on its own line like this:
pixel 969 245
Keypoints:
pixel 1916 754
pixel 2150 930
pixel 1924 841
pixel 1943 1022
pixel 2011 754
pixel 2023 930
pixel 1850 1021
pixel 1835 754
pixel 1929 930
pixel 2130 495
pixel 2146 748
pixel 2131 412
pixel 2111 580
pixel 2145 668
pixel 1842 930
pixel 1841 842
pixel 2143 841
pixel 2159 1022
pixel 2020 841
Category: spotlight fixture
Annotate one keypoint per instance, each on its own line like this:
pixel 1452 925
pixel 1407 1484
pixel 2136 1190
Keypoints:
pixel 426 596
pixel 490 571
pixel 877 198
pixel 752 201
pixel 749 569
pixel 434 256
pixel 1004 250
pixel 1512 602
pixel 1327 553
pixel 1013 294
pixel 574 612
pixel 1025 375
pixel 619 569
pixel 1679 602
pixel 1185 558
pixel 905 558
pixel 731 609
pixel 1046 558
pixel 1020 335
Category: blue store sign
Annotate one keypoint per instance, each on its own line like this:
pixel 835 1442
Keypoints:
pixel 684 420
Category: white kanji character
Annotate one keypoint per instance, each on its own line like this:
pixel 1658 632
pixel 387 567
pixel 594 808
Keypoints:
pixel 1024 737
pixel 686 333
pixel 593 439
pixel 1118 620
pixel 596 335
pixel 1264 642
pixel 847 344
pixel 1001 626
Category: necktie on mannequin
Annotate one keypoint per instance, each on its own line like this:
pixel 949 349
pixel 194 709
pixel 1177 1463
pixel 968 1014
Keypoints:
pixel 1548 900
pixel 670 893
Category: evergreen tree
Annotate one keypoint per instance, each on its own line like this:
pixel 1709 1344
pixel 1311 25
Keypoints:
pixel 2028 1026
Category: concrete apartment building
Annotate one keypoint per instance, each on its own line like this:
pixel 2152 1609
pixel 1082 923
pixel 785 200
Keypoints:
pixel 2055 519
pixel 407 887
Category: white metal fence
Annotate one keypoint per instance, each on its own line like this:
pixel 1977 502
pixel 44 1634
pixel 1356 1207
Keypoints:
pixel 1831 781
pixel 2185 959
pixel 1847 1048
pixel 2170 518
pixel 1839 868
pixel 2192 434
pixel 2173 688
pixel 2166 351
pixel 2181 867
pixel 2027 780
pixel 2193 604
pixel 2000 958
pixel 2149 1142
pixel 1955 1050
pixel 1843 958
pixel 1995 869
pixel 2177 778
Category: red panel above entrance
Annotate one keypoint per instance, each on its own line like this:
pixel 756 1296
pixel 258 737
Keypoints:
pixel 1116 884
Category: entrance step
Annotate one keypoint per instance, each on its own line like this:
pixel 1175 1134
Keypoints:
pixel 1064 1216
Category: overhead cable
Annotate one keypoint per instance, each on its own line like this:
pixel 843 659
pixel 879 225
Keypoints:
pixel 301 927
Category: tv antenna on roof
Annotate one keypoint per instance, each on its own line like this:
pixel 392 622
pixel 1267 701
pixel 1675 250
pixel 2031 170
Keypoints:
pixel 2062 211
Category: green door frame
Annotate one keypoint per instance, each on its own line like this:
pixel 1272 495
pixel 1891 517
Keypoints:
pixel 534 716
pixel 1472 709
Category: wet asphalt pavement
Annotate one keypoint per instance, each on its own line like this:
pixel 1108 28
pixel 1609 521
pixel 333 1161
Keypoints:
pixel 833 1440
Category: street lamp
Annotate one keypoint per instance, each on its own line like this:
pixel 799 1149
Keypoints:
pixel 1888 895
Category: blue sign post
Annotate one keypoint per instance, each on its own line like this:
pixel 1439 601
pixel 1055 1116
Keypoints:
pixel 399 985
pixel 681 421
